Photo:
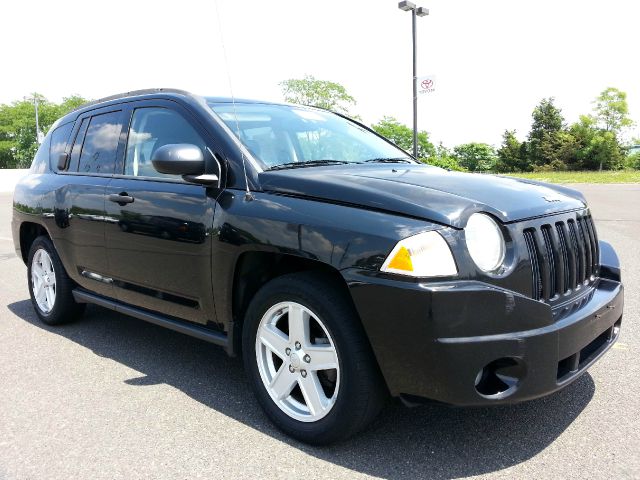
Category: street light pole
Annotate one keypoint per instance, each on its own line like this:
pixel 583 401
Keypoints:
pixel 415 12
pixel 35 103
pixel 35 98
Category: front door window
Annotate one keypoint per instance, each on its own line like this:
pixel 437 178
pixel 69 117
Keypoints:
pixel 152 128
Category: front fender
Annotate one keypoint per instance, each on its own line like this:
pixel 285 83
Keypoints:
pixel 339 236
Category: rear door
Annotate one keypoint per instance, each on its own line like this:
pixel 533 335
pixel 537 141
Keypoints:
pixel 158 234
pixel 80 204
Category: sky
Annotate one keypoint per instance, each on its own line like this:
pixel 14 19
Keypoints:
pixel 494 60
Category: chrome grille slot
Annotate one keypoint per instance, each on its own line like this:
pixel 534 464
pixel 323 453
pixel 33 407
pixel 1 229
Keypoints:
pixel 578 251
pixel 535 265
pixel 564 257
pixel 552 261
pixel 593 239
pixel 586 245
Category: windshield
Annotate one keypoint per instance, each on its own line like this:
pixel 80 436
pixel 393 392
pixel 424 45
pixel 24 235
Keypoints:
pixel 283 136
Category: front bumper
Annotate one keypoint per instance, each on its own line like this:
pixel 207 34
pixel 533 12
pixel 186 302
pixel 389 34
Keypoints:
pixel 470 343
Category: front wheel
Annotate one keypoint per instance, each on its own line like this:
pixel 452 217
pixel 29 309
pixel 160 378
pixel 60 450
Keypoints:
pixel 309 360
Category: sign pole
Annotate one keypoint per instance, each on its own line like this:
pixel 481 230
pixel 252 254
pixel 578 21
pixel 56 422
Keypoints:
pixel 415 85
pixel 406 6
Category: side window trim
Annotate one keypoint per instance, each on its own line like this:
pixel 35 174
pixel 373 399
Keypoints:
pixel 127 108
pixel 78 141
pixel 127 112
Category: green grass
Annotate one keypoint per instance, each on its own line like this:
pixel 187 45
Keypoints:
pixel 607 176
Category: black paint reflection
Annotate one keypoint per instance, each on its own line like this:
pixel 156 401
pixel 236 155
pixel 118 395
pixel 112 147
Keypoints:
pixel 236 236
pixel 61 216
pixel 167 228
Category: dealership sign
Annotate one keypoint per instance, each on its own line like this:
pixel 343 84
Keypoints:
pixel 427 84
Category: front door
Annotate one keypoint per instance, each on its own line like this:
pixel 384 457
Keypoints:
pixel 158 226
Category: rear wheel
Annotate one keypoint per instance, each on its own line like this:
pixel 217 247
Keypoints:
pixel 309 361
pixel 50 287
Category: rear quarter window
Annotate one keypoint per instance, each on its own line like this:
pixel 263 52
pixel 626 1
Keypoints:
pixel 40 163
pixel 59 142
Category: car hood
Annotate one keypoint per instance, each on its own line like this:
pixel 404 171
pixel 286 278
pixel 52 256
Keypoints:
pixel 425 192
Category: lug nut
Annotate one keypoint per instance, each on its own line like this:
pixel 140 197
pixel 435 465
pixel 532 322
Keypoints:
pixel 291 369
pixel 303 373
pixel 307 358
pixel 287 351
pixel 298 346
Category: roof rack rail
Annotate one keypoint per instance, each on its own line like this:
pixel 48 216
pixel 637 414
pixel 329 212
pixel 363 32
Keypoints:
pixel 130 94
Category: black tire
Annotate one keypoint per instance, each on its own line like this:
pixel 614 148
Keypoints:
pixel 65 309
pixel 362 391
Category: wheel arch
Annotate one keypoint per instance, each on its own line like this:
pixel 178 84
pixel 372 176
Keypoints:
pixel 29 231
pixel 254 269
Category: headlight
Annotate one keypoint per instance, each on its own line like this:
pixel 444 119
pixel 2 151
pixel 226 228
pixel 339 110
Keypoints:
pixel 424 255
pixel 485 242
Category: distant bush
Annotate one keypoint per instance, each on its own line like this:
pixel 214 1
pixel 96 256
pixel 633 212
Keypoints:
pixel 554 166
pixel 633 161
pixel 448 163
pixel 476 157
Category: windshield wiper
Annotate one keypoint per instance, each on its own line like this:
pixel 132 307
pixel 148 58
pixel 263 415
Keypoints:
pixel 389 160
pixel 308 163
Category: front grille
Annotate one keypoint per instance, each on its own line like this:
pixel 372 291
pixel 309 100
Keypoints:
pixel 564 256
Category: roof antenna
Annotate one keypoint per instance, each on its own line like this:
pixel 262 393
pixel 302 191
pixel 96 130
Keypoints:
pixel 248 196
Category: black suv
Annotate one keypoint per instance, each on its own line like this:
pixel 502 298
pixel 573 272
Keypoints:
pixel 341 268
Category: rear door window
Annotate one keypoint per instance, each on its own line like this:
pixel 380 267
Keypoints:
pixel 100 147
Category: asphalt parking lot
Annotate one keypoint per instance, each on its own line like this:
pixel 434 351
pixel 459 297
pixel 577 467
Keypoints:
pixel 114 397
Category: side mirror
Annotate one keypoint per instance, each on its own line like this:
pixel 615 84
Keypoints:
pixel 63 158
pixel 179 159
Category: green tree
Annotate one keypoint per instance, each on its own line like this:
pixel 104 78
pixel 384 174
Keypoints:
pixel 476 157
pixel 547 123
pixel 604 152
pixel 317 93
pixel 611 110
pixel 611 116
pixel 402 136
pixel 18 143
pixel 595 148
pixel 512 154
pixel 444 159
pixel 559 150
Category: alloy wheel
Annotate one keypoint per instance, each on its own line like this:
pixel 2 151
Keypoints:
pixel 297 361
pixel 43 280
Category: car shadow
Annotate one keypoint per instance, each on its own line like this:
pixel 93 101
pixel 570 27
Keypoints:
pixel 433 441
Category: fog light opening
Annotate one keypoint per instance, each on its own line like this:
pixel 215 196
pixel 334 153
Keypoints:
pixel 616 328
pixel 479 377
pixel 500 378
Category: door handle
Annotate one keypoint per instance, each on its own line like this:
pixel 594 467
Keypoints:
pixel 120 198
